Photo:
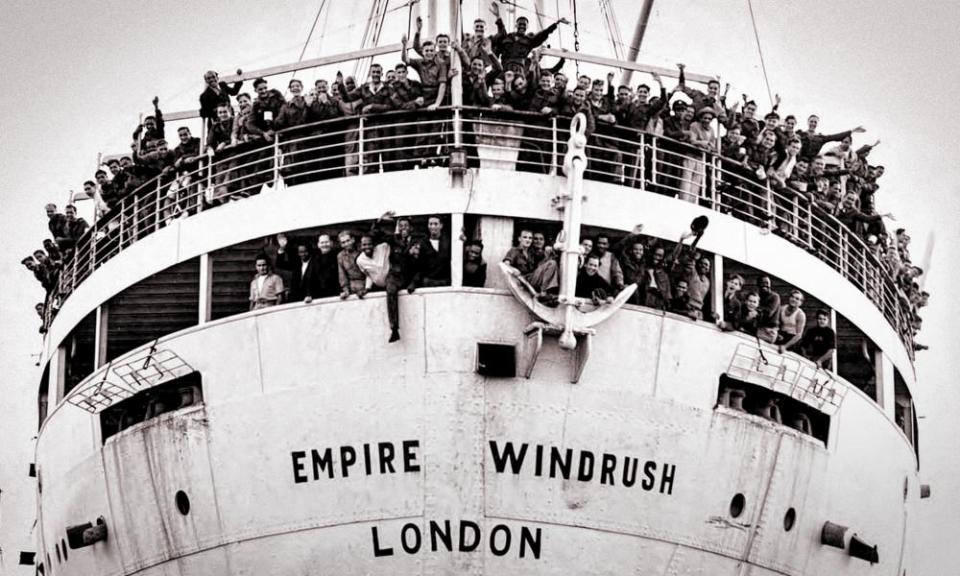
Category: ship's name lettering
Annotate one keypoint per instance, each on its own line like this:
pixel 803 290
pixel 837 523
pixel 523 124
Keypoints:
pixel 467 537
pixel 583 466
pixel 366 459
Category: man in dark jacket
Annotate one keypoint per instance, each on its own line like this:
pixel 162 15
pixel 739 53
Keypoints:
pixel 216 93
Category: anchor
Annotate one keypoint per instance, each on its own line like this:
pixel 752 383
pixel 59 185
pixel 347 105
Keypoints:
pixel 570 318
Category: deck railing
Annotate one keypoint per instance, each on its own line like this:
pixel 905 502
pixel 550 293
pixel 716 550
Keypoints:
pixel 491 139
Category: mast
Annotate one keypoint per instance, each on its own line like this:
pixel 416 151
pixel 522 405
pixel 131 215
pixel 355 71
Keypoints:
pixel 638 33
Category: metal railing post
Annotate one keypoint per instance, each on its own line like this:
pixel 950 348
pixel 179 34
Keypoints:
pixel 702 193
pixel 360 147
pixel 121 228
pixel 641 160
pixel 73 275
pixel 842 247
pixel 276 158
pixel 809 220
pixel 93 245
pixel 457 128
pixel 553 142
pixel 653 161
pixel 159 214
pixel 771 212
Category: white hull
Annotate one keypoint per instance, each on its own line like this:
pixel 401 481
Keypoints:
pixel 282 382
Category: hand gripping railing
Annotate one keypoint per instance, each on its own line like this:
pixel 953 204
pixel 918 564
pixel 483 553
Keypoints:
pixel 491 139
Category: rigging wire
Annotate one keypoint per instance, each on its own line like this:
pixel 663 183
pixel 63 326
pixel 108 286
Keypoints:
pixel 576 35
pixel 313 27
pixel 763 64
pixel 559 29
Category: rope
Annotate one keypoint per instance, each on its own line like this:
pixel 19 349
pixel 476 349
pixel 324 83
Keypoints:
pixel 763 64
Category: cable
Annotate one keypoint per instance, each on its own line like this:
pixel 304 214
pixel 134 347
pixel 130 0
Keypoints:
pixel 576 35
pixel 763 64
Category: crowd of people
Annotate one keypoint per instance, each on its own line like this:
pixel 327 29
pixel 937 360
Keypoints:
pixel 503 71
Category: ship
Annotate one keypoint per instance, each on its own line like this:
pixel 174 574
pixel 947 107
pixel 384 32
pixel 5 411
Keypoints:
pixel 184 431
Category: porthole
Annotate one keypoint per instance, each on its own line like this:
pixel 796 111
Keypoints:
pixel 737 505
pixel 183 502
pixel 57 548
pixel 789 519
pixel 63 544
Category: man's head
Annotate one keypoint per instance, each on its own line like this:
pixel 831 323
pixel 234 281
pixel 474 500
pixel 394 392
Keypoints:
pixel 443 43
pixel 579 96
pixel 601 244
pixel 479 27
pixel 793 147
pixel 812 122
pixel 376 73
pixel 403 227
pixel 434 227
pixel 303 252
pixel 643 93
pixel 586 246
pixel 497 89
pixel 473 250
pixel 850 201
pixel 40 256
pixel 845 143
pixel 790 124
pixel 70 211
pixel 477 67
pixel 749 109
pixel 795 299
pixel 30 263
pixel 263 265
pixel 429 50
pixel 539 240
pixel 391 76
pixel 366 245
pixel 126 162
pixel 596 89
pixel 623 94
pixel 210 78
pixel 350 83
pixel 713 88
pixel 150 123
pixel 519 82
pixel 324 244
pixel 244 101
pixel 184 134
pixel 706 116
pixel 546 80
pixel 525 239
pixel 734 133
pixel 680 290
pixel 768 140
pixel 752 301
pixel 90 189
pixel 260 85
pixel 823 318
pixel 817 166
pixel 223 112
pixel 560 81
pixel 734 282
pixel 114 166
pixel 346 240
pixel 584 82
pixel 162 147
pixel 658 255
pixel 764 284
pixel 771 120
pixel 703 266
pixel 322 87
pixel 401 72
pixel 295 87
pixel 522 25
pixel 636 251
pixel 802 167
pixel 51 210
pixel 592 265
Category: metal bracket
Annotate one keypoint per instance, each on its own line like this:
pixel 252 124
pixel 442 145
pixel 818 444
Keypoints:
pixel 533 345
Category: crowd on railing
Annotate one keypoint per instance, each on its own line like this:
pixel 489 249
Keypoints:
pixel 391 256
pixel 503 72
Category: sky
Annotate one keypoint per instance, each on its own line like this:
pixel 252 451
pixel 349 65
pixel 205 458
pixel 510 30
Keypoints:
pixel 78 75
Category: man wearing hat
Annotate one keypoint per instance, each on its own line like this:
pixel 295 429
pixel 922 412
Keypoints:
pixel 700 135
